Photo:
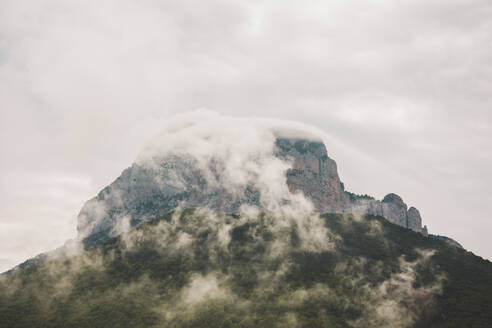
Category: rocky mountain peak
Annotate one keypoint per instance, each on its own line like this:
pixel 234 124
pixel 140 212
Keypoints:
pixel 294 169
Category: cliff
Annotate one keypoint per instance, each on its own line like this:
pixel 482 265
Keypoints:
pixel 143 192
pixel 316 175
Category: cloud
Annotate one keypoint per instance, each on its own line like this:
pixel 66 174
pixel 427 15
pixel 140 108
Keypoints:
pixel 181 268
pixel 232 154
pixel 202 289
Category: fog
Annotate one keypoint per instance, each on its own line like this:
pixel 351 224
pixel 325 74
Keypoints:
pixel 202 272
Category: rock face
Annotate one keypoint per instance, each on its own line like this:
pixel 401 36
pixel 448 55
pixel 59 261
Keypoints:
pixel 313 173
pixel 316 175
pixel 144 192
pixel 414 221
pixel 394 209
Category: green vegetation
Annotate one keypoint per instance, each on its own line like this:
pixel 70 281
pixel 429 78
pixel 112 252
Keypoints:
pixel 354 197
pixel 199 269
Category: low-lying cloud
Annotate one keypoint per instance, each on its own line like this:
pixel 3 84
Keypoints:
pixel 192 265
pixel 204 159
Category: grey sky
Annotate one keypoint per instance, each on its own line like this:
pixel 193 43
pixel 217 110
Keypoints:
pixel 404 87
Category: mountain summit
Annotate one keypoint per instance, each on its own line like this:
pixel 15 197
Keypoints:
pixel 277 169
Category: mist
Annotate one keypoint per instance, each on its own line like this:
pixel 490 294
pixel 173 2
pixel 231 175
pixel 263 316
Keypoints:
pixel 191 265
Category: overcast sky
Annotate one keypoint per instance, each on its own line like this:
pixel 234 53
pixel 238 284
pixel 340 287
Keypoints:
pixel 404 88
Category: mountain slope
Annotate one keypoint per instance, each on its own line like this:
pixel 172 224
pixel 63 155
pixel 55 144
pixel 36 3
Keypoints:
pixel 198 268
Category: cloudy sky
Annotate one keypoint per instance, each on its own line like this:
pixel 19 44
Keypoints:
pixel 404 89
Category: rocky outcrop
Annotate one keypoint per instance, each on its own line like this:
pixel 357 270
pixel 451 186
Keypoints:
pixel 313 173
pixel 414 221
pixel 394 209
pixel 316 175
pixel 143 192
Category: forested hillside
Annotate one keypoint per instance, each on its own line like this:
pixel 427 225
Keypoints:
pixel 195 268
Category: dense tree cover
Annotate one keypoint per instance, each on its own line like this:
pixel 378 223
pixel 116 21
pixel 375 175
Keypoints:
pixel 187 270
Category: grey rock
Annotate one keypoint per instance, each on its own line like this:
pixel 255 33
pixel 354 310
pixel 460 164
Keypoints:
pixel 313 173
pixel 414 221
pixel 395 210
pixel 144 192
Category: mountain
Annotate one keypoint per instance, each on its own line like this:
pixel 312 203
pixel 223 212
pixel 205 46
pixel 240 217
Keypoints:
pixel 143 192
pixel 246 225
pixel 199 268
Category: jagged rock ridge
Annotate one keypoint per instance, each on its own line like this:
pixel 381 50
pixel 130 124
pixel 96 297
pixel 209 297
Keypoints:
pixel 144 192
pixel 315 174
